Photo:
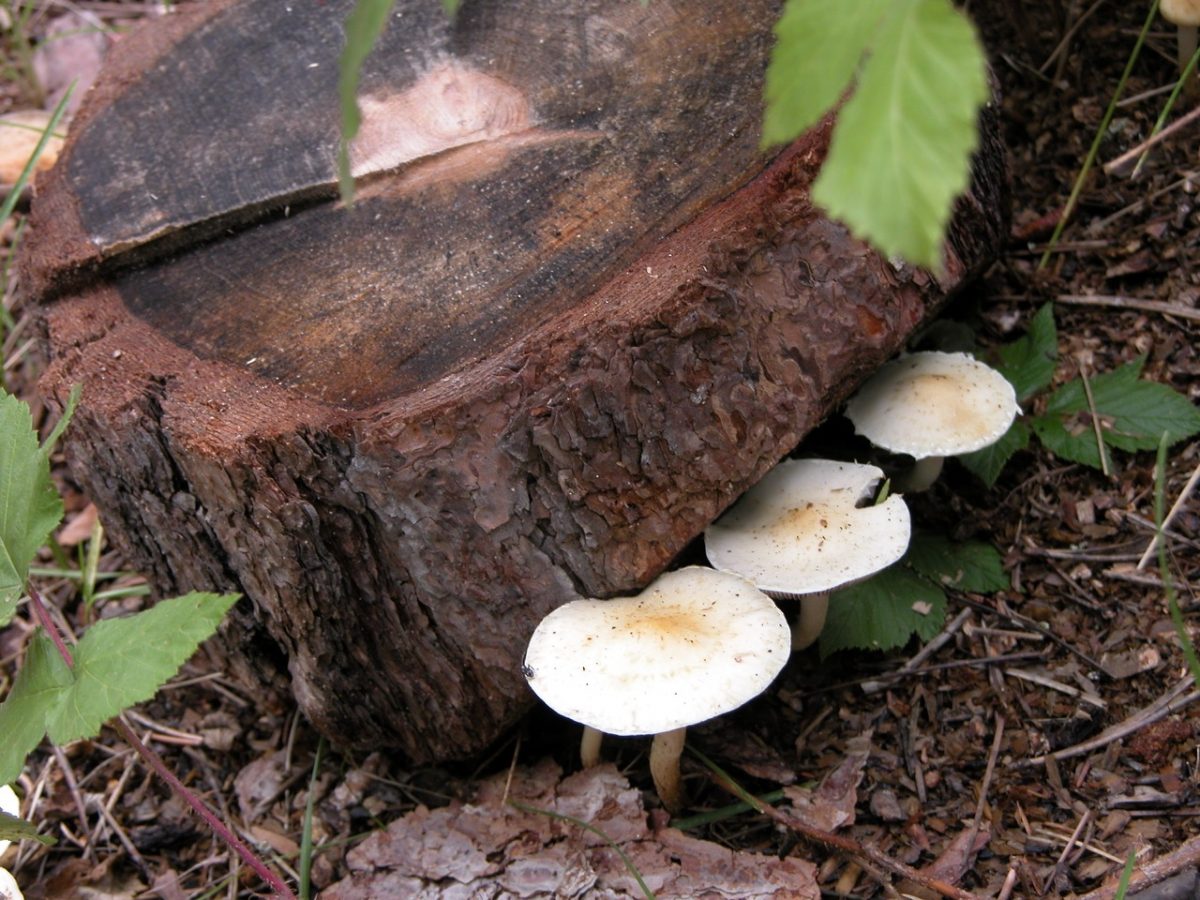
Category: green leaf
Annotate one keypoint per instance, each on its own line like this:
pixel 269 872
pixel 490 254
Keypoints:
pixel 120 662
pixel 38 688
pixel 364 25
pixel 818 48
pixel 451 7
pixel 970 566
pixel 1028 362
pixel 883 612
pixel 988 463
pixel 902 145
pixel 1133 415
pixel 14 828
pixel 30 508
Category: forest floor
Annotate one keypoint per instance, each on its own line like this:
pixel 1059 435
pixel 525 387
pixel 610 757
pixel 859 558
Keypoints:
pixel 1049 733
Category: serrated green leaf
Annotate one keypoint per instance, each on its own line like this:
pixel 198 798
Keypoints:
pixel 120 662
pixel 1029 362
pixel 988 463
pixel 30 507
pixel 38 688
pixel 818 48
pixel 964 566
pixel 364 25
pixel 14 828
pixel 883 612
pixel 1133 415
pixel 902 145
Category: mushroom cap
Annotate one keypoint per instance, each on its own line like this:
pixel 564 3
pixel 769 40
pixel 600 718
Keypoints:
pixel 1181 12
pixel 694 644
pixel 799 530
pixel 934 404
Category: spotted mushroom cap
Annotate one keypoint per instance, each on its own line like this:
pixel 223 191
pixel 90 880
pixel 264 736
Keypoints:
pixel 1181 12
pixel 934 404
pixel 694 644
pixel 800 529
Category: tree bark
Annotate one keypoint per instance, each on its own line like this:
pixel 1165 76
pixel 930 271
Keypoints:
pixel 574 313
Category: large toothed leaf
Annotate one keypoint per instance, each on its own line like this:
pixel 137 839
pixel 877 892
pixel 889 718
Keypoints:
pixel 883 612
pixel 818 49
pixel 120 662
pixel 38 688
pixel 1028 362
pixel 902 145
pixel 963 566
pixel 1133 415
pixel 988 463
pixel 30 507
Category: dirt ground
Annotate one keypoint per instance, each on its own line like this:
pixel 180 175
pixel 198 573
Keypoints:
pixel 1047 735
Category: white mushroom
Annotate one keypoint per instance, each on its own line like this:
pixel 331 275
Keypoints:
pixel 800 533
pixel 1185 16
pixel 694 644
pixel 11 805
pixel 932 405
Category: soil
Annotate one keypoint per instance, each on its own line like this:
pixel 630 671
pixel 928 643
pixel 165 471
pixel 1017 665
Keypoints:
pixel 1052 726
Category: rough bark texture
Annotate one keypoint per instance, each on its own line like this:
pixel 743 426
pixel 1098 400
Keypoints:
pixel 402 488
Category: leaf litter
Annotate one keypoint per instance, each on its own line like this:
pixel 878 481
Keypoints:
pixel 1076 786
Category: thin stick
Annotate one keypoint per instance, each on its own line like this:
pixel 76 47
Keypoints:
pixel 1129 156
pixel 1118 302
pixel 1175 507
pixel 42 614
pixel 1062 857
pixel 987 777
pixel 68 775
pixel 1186 855
pixel 1160 708
pixel 848 845
pixel 1091 403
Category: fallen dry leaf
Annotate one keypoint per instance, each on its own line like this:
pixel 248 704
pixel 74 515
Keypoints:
pixel 20 132
pixel 494 849
pixel 831 804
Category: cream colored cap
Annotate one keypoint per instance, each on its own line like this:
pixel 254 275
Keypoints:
pixel 800 531
pixel 1180 12
pixel 11 805
pixel 934 404
pixel 694 644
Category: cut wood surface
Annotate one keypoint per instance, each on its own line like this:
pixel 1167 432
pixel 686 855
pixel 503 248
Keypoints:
pixel 574 312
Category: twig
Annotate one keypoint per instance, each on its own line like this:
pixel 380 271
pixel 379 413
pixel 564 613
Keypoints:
pixel 1175 507
pixel 68 775
pixel 1157 710
pixel 1129 156
pixel 987 777
pixel 1119 302
pixel 1062 857
pixel 865 852
pixel 1063 44
pixel 1048 682
pixel 1091 404
pixel 1187 854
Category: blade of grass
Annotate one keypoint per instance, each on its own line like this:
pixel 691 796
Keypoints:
pixel 10 202
pixel 1077 189
pixel 722 813
pixel 306 835
pixel 587 826
pixel 364 25
pixel 64 420
pixel 1126 875
pixel 91 562
pixel 1164 570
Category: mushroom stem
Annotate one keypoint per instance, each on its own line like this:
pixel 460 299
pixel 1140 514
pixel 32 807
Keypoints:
pixel 665 751
pixel 589 746
pixel 810 621
pixel 920 477
pixel 1187 47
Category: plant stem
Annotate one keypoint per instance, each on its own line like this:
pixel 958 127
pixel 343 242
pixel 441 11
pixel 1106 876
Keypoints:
pixel 156 763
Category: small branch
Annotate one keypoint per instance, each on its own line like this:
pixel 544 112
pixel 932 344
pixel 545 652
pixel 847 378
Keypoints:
pixel 1122 161
pixel 43 616
pixel 1184 856
pixel 1175 507
pixel 1091 402
pixel 1119 302
pixel 987 776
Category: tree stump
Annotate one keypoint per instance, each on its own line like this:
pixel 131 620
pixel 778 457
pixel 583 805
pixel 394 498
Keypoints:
pixel 574 312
